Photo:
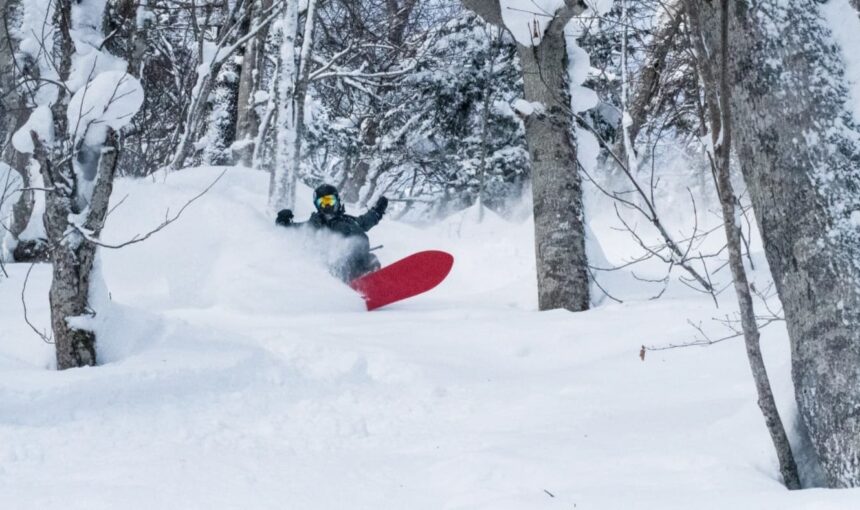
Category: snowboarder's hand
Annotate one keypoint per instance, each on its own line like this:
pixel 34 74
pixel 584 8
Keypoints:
pixel 285 217
pixel 381 205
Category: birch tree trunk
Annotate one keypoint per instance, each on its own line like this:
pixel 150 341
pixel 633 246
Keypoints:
pixel 562 265
pixel 282 193
pixel 301 90
pixel 247 122
pixel 799 149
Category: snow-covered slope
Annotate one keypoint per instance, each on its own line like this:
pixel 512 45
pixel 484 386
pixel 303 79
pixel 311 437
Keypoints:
pixel 238 374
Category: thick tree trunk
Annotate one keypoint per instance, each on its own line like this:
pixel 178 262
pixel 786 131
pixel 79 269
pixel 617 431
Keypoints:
pixel 73 255
pixel 800 155
pixel 721 139
pixel 73 217
pixel 562 265
pixel 556 182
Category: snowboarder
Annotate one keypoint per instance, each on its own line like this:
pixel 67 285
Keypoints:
pixel 331 215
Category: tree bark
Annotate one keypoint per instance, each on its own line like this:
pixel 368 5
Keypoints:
pixel 73 217
pixel 247 121
pixel 73 254
pixel 301 91
pixel 282 193
pixel 799 149
pixel 6 74
pixel 562 265
pixel 120 21
pixel 14 112
pixel 221 129
pixel 721 139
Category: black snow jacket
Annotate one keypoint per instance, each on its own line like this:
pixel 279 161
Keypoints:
pixel 343 224
pixel 346 225
pixel 359 261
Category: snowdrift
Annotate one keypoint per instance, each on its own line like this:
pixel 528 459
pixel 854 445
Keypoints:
pixel 237 373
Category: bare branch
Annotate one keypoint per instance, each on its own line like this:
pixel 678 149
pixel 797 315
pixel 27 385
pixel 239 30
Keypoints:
pixel 139 238
pixel 45 338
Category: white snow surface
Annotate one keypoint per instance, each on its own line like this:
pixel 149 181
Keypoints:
pixel 40 121
pixel 528 20
pixel 236 373
pixel 844 22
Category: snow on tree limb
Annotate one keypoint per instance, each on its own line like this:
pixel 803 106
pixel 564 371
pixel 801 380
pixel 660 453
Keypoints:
pixel 109 101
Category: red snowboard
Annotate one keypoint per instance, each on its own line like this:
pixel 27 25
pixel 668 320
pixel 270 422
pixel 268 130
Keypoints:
pixel 405 278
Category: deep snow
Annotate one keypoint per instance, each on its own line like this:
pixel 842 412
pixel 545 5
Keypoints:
pixel 238 374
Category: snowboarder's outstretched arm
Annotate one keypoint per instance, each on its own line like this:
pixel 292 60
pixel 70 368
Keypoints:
pixel 369 219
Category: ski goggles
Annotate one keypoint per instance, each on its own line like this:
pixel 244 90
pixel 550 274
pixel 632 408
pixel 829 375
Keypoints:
pixel 327 201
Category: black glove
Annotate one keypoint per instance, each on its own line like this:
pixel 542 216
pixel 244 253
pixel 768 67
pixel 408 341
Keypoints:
pixel 381 206
pixel 285 217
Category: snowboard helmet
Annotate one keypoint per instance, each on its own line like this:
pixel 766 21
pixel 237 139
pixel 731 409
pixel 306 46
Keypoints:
pixel 327 200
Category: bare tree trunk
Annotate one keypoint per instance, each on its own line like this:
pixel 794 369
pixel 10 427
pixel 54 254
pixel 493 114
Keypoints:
pixel 7 74
pixel 282 193
pixel 556 182
pixel 487 102
pixel 14 112
pixel 292 90
pixel 71 255
pixel 648 86
pixel 356 179
pixel 221 128
pixel 800 155
pixel 247 122
pixel 120 21
pixel 76 204
pixel 721 138
pixel 301 91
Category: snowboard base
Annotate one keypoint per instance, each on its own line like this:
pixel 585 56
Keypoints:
pixel 408 277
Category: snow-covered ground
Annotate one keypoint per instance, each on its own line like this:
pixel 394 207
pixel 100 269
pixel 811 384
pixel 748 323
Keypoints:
pixel 238 374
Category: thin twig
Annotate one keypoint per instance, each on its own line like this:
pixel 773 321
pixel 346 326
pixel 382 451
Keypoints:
pixel 45 338
pixel 167 221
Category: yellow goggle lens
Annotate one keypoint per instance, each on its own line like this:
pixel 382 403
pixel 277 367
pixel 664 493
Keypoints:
pixel 326 201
